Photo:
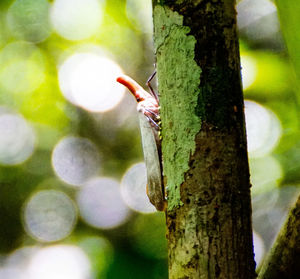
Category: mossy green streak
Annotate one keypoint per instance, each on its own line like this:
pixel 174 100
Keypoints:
pixel 179 79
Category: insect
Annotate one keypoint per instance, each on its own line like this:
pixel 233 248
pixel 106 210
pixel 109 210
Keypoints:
pixel 148 108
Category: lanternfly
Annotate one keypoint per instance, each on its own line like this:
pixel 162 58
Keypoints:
pixel 148 108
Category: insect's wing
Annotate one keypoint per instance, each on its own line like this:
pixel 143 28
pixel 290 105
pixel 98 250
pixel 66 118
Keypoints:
pixel 152 161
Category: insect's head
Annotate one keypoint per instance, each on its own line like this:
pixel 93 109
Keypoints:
pixel 136 90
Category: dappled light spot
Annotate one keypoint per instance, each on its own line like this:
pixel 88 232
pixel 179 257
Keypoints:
pixel 16 263
pixel 76 19
pixel 249 70
pixel 257 20
pixel 20 258
pixel 12 273
pixel 59 262
pixel 140 14
pixel 17 140
pixel 263 129
pixel 266 173
pixel 29 20
pixel 250 11
pixel 259 248
pixel 49 215
pixel 75 160
pixel 88 80
pixel 22 67
pixel 133 189
pixel 101 205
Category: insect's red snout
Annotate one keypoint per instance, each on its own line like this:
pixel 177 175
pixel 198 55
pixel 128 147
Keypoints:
pixel 136 90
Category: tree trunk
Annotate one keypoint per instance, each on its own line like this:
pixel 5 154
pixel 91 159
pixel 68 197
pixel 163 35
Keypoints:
pixel 204 149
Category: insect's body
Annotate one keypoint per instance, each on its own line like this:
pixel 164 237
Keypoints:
pixel 148 108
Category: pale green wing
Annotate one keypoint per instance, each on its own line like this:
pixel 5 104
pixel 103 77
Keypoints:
pixel 151 157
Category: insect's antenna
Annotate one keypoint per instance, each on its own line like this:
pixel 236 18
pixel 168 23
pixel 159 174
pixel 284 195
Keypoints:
pixel 148 83
pixel 137 91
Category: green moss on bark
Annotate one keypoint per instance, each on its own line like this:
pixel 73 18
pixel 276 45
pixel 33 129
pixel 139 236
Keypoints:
pixel 179 79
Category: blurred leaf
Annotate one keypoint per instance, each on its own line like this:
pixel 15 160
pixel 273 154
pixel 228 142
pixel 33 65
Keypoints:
pixel 271 78
pixel 45 106
pixel 100 252
pixel 287 112
pixel 289 11
pixel 148 235
pixel 290 161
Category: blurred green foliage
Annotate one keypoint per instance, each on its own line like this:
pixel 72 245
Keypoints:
pixel 288 12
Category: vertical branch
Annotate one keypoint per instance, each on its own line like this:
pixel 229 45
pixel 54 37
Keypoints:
pixel 204 147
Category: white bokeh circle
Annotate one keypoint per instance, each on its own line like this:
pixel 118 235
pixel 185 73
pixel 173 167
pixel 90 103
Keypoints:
pixel 59 262
pixel 76 19
pixel 263 129
pixel 17 140
pixel 133 189
pixel 100 203
pixel 88 80
pixel 75 160
pixel 49 215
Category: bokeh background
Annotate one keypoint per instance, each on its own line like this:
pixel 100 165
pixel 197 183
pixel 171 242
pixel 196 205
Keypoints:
pixel 72 178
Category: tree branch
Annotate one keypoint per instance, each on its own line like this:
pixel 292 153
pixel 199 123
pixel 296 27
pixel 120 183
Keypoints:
pixel 283 260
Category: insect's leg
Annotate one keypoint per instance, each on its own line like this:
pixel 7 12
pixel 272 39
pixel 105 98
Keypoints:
pixel 152 121
pixel 148 83
pixel 151 77
pixel 153 113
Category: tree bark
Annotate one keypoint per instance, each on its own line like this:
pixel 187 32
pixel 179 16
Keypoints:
pixel 204 149
pixel 283 261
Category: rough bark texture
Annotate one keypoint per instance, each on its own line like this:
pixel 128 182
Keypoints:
pixel 283 261
pixel 204 148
